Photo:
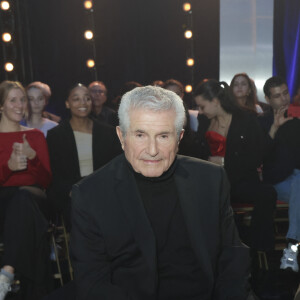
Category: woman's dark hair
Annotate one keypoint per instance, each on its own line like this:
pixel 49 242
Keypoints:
pixel 212 88
pixel 251 100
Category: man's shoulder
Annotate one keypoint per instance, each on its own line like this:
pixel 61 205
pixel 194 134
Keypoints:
pixel 103 176
pixel 192 164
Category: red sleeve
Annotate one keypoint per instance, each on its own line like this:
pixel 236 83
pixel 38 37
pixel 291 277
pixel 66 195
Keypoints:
pixel 39 167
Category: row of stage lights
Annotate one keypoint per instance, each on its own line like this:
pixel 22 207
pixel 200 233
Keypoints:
pixel 6 36
pixel 188 34
pixel 89 34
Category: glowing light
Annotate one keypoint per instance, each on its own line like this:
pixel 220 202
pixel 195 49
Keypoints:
pixel 88 34
pixel 190 62
pixel 188 34
pixel 90 63
pixel 88 4
pixel 4 5
pixel 188 88
pixel 187 6
pixel 8 67
pixel 6 37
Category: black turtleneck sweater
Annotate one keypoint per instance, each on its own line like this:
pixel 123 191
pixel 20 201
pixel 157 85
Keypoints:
pixel 178 270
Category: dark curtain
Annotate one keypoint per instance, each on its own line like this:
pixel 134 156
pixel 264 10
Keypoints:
pixel 287 42
pixel 140 40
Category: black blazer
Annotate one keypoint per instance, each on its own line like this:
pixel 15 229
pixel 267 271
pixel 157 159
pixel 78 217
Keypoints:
pixel 113 245
pixel 244 146
pixel 64 157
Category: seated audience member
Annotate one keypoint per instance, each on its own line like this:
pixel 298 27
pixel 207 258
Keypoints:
pixel 77 147
pixel 232 137
pixel 163 227
pixel 159 83
pixel 24 174
pixel 101 112
pixel 282 161
pixel 244 92
pixel 128 86
pixel 296 98
pixel 38 94
pixel 189 145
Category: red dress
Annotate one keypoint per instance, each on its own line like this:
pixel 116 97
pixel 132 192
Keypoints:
pixel 38 170
pixel 216 142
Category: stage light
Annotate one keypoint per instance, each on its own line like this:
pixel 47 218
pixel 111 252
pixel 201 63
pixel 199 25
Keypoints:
pixel 188 34
pixel 8 67
pixel 190 62
pixel 88 34
pixel 6 37
pixel 88 4
pixel 90 63
pixel 188 88
pixel 187 6
pixel 4 5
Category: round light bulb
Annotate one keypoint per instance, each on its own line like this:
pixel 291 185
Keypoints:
pixel 88 4
pixel 90 63
pixel 187 6
pixel 188 88
pixel 4 5
pixel 8 67
pixel 190 62
pixel 188 34
pixel 88 34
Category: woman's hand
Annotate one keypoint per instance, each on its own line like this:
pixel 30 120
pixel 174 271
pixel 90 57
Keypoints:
pixel 218 160
pixel 17 161
pixel 27 150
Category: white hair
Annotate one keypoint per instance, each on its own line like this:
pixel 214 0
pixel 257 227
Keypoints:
pixel 152 98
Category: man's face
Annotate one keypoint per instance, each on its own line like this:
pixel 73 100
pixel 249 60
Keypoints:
pixel 279 97
pixel 151 143
pixel 98 94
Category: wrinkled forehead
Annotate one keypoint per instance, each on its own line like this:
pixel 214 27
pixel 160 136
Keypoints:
pixel 278 90
pixel 97 87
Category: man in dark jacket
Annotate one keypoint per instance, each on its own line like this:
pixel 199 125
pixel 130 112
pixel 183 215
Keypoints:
pixel 282 161
pixel 154 225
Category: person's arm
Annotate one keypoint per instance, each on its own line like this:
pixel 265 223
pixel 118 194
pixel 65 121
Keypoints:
pixel 234 260
pixel 90 261
pixel 38 158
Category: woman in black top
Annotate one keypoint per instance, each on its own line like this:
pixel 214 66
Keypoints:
pixel 232 137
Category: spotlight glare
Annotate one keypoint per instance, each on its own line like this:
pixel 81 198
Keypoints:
pixel 8 67
pixel 6 37
pixel 88 34
pixel 188 88
pixel 190 62
pixel 4 5
pixel 88 4
pixel 187 6
pixel 90 63
pixel 188 34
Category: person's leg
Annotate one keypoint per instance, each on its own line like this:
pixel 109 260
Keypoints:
pixel 263 197
pixel 25 231
pixel 289 191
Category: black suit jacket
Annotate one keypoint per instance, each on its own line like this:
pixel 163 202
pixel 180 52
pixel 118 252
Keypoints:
pixel 113 245
pixel 64 157
pixel 244 146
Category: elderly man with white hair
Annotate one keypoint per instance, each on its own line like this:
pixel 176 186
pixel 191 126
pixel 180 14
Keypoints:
pixel 152 224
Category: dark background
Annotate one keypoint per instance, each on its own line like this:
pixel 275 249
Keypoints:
pixel 140 40
pixel 136 40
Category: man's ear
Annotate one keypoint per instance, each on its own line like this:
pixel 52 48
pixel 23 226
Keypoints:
pixel 120 136
pixel 181 135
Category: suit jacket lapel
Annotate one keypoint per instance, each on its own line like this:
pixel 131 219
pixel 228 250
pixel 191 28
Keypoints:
pixel 194 215
pixel 131 202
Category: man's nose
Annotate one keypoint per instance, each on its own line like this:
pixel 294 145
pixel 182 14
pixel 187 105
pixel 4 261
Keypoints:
pixel 152 147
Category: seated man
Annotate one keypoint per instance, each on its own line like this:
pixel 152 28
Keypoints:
pixel 101 112
pixel 153 225
pixel 282 161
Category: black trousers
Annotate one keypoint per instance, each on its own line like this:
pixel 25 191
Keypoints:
pixel 24 226
pixel 263 197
